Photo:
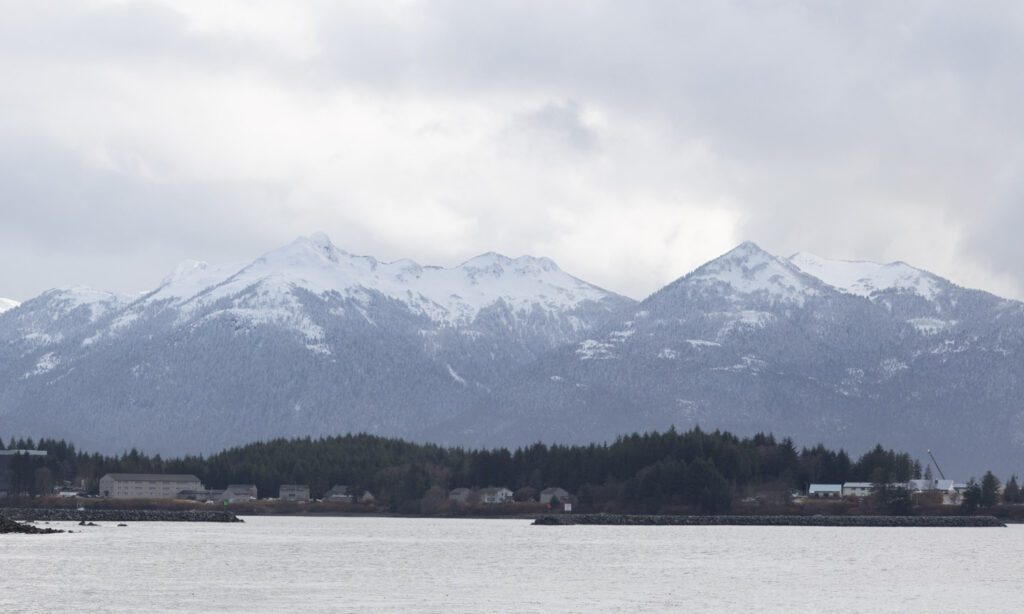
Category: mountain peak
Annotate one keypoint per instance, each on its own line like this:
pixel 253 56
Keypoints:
pixel 745 249
pixel 320 239
pixel 523 264
pixel 747 270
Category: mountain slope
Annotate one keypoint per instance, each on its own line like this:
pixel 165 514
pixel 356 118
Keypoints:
pixel 850 355
pixel 309 340
pixel 306 339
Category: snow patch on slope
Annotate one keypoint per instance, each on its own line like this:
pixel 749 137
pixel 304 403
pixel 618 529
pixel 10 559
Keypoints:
pixel 931 326
pixel 867 278
pixel 46 363
pixel 7 304
pixel 592 349
pixel 455 376
pixel 65 300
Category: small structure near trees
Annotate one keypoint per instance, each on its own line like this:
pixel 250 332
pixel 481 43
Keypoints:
pixel 554 495
pixel 293 492
pixel 825 491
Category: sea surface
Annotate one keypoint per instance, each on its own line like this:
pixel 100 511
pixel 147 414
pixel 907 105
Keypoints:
pixel 295 564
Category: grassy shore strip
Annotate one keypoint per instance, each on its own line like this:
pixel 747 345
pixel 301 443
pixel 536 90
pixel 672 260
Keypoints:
pixel 782 521
pixel 99 515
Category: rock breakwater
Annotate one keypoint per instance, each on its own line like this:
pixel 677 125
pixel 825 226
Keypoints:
pixel 90 515
pixel 782 521
pixel 9 526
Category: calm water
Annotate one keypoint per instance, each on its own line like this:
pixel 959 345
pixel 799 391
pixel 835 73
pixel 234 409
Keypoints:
pixel 416 565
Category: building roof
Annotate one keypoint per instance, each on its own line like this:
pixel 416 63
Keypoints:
pixel 825 488
pixel 857 485
pixel 151 477
pixel 553 490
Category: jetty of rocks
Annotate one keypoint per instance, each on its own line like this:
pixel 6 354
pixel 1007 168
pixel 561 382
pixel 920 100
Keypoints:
pixel 98 515
pixel 9 526
pixel 782 521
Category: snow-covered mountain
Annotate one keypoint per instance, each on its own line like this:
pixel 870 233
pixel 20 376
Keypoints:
pixel 845 353
pixel 305 339
pixel 309 339
pixel 453 296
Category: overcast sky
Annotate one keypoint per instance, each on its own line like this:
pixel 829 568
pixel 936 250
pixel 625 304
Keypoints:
pixel 628 141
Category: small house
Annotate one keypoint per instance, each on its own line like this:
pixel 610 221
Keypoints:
pixel 825 491
pixel 236 493
pixel 495 495
pixel 920 485
pixel 338 494
pixel 857 489
pixel 293 492
pixel 548 494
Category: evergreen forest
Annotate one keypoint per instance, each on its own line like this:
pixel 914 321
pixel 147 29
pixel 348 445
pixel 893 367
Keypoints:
pixel 656 472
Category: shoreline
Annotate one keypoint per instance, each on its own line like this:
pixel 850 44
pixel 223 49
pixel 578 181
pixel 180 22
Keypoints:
pixel 781 521
pixel 29 514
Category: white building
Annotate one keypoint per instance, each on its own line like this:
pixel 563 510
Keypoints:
pixel 554 493
pixel 293 492
pixel 495 495
pixel 825 491
pixel 338 494
pixel 147 485
pixel 920 485
pixel 237 493
pixel 857 489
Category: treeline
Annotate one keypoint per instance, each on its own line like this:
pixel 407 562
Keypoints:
pixel 648 472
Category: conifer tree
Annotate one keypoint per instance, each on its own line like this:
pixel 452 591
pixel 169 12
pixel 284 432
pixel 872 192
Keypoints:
pixel 989 489
pixel 1012 493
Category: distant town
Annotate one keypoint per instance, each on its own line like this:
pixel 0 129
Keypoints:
pixel 652 473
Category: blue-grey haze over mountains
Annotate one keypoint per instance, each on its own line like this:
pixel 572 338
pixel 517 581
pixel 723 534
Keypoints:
pixel 311 340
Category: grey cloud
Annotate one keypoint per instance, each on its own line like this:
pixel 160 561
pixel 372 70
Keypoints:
pixel 107 229
pixel 829 127
pixel 560 123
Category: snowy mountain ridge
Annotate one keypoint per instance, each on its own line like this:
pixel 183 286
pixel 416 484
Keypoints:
pixel 867 278
pixel 448 296
pixel 309 339
pixel 748 271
